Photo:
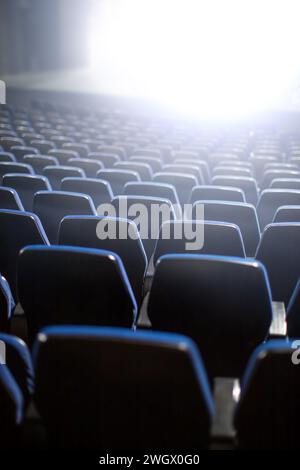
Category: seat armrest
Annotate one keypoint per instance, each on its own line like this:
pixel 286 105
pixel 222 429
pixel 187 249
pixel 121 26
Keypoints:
pixel 226 395
pixel 278 327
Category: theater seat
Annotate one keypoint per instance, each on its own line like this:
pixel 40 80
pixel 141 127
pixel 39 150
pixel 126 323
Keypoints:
pixel 56 174
pixel 26 187
pixel 89 232
pixel 11 410
pixel 150 189
pixel 99 190
pixel 216 193
pixel 155 212
pixel 223 303
pixel 20 151
pixel 285 183
pixel 271 199
pixel 144 170
pixel 267 415
pixel 9 199
pixel 271 175
pixel 183 183
pixel 280 254
pixel 17 229
pixel 287 214
pixel 7 157
pixel 73 285
pixel 144 391
pixel 118 178
pixel 88 165
pixel 107 160
pixel 8 167
pixel 7 305
pixel 63 155
pixel 154 163
pixel 201 164
pixel 241 214
pixel 39 162
pixel 213 238
pixel 52 206
pixel 247 184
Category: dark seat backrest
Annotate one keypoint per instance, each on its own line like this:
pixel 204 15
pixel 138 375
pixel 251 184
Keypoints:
pixel 131 404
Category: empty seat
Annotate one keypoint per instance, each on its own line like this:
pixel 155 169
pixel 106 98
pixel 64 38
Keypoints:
pixel 56 174
pixel 7 142
pixel 165 191
pixel 117 235
pixel 236 163
pixel 183 183
pixel 144 170
pixel 43 146
pixel 20 151
pixel 52 206
pixel 147 153
pixel 281 166
pixel 7 157
pixel 107 160
pixel 18 362
pixel 16 388
pixel 153 162
pixel 148 213
pixel 118 178
pixel 99 190
pixel 73 285
pixel 214 238
pixel 113 150
pixel 279 252
pixel 39 162
pixel 232 171
pixel 246 184
pixel 268 412
pixel 184 169
pixel 17 229
pixel 223 303
pixel 81 149
pixel 287 214
pixel 241 214
pixel 201 164
pixel 7 305
pixel 26 187
pixel 88 165
pixel 271 199
pixel 286 183
pixel 271 175
pixel 63 156
pixel 259 163
pixel 9 199
pixel 216 193
pixel 133 403
pixel 7 167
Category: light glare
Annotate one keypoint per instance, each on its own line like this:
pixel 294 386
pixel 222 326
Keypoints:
pixel 211 58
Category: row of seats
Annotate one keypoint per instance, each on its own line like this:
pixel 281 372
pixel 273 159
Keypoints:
pixel 57 166
pixel 83 196
pixel 278 249
pixel 141 378
pixel 184 177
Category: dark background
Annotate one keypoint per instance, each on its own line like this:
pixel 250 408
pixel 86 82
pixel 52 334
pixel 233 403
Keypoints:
pixel 41 35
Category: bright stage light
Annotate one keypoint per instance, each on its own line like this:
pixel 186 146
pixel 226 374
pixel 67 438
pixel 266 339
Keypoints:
pixel 209 58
